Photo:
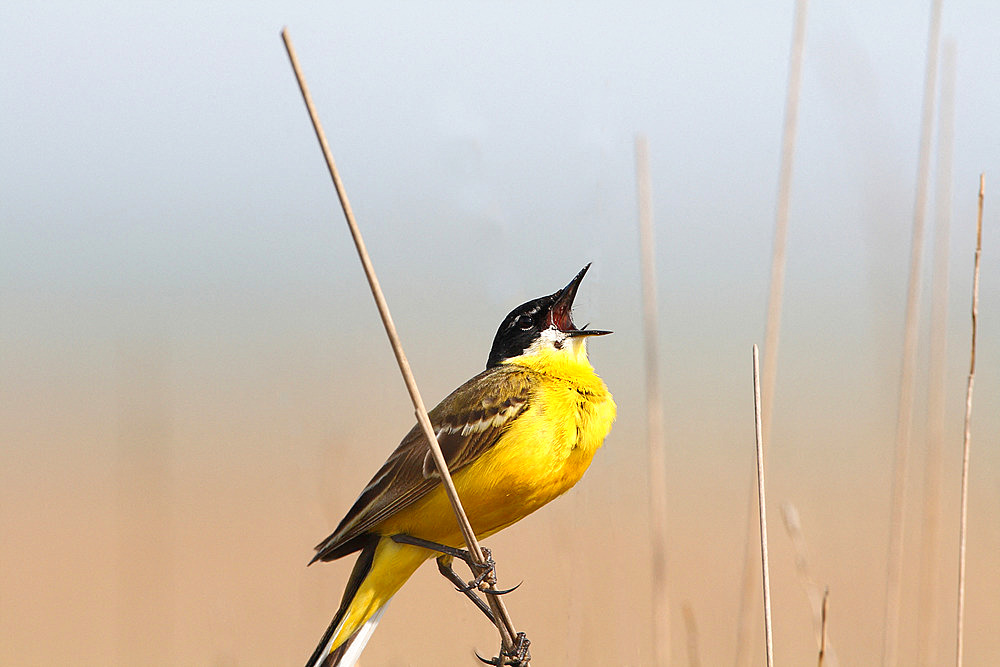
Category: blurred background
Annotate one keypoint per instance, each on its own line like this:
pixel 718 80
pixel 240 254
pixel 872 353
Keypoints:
pixel 195 385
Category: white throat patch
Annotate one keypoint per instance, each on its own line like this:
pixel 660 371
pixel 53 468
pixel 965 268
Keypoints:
pixel 553 342
pixel 549 339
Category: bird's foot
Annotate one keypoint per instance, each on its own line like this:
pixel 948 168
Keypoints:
pixel 487 577
pixel 516 656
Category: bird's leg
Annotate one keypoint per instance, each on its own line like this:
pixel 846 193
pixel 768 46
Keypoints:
pixel 403 538
pixel 485 580
pixel 444 567
pixel 485 575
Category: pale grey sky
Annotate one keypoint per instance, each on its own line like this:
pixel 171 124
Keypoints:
pixel 159 172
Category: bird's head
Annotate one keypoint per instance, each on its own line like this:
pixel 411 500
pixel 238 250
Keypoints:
pixel 540 324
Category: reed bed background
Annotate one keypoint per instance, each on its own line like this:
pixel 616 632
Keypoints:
pixel 194 384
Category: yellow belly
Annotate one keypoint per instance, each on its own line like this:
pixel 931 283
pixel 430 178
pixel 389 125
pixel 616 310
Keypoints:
pixel 542 455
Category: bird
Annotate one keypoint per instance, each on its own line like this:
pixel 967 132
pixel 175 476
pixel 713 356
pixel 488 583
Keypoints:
pixel 516 436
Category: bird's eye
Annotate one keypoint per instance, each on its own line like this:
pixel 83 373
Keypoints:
pixel 524 322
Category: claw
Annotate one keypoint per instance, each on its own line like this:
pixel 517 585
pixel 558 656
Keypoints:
pixel 504 592
pixel 491 661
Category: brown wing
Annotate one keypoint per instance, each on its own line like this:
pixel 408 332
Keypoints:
pixel 467 422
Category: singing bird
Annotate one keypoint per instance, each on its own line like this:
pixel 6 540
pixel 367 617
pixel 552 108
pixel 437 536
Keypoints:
pixel 515 436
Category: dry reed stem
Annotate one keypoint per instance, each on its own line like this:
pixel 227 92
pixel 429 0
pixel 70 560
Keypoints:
pixel 962 524
pixel 504 624
pixel 793 526
pixel 762 506
pixel 822 640
pixel 930 547
pixel 774 300
pixel 691 633
pixel 146 535
pixel 904 416
pixel 748 590
pixel 773 325
pixel 654 412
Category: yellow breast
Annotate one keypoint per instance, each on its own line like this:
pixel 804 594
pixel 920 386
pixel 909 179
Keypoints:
pixel 547 449
pixel 543 453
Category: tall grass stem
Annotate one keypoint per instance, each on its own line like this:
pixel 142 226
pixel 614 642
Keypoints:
pixel 963 519
pixel 793 526
pixel 762 506
pixel 822 636
pixel 504 624
pixel 904 413
pixel 774 300
pixel 930 543
pixel 654 411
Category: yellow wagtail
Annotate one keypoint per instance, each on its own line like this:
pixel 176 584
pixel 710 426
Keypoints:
pixel 516 436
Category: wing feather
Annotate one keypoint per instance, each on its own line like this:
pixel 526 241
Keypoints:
pixel 468 422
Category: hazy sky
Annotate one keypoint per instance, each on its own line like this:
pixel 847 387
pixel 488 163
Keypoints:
pixel 160 176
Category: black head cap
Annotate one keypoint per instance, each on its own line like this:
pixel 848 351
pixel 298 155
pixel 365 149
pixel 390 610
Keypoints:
pixel 525 324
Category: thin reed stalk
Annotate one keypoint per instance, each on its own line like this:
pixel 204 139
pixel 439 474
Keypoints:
pixel 930 547
pixel 503 621
pixel 654 411
pixel 774 300
pixel 822 640
pixel 793 526
pixel 691 633
pixel 762 506
pixel 147 606
pixel 963 519
pixel 904 414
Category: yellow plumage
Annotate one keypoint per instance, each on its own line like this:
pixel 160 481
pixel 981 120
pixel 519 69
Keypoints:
pixel 515 437
pixel 543 453
pixel 540 456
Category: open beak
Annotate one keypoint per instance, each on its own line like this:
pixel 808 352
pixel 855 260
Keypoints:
pixel 560 312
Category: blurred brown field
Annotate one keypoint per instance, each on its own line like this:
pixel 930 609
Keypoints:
pixel 164 515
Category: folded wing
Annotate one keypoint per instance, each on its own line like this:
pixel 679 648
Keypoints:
pixel 468 422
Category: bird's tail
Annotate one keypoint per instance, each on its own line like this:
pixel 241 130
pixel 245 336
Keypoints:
pixel 382 567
